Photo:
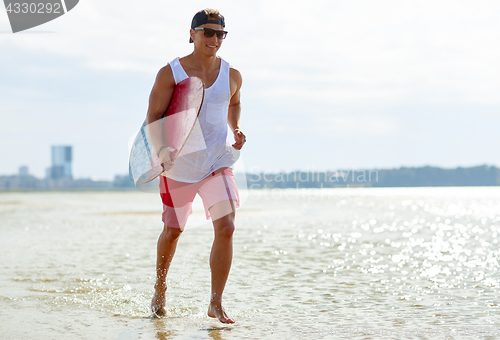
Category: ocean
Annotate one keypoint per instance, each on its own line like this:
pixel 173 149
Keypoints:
pixel 365 263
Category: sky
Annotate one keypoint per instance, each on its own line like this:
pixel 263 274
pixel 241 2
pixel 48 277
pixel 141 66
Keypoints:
pixel 326 84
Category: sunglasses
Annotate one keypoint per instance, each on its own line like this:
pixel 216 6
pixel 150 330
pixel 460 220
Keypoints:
pixel 208 32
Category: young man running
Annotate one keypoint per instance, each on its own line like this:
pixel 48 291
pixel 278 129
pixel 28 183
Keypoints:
pixel 204 165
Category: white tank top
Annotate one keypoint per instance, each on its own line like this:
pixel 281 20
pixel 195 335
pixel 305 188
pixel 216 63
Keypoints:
pixel 207 148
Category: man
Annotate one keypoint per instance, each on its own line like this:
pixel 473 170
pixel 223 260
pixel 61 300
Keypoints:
pixel 204 165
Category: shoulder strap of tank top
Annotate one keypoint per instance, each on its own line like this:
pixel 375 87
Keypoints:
pixel 178 71
pixel 224 75
pixel 224 67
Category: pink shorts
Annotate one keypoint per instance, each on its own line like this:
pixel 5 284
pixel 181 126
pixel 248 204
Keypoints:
pixel 177 197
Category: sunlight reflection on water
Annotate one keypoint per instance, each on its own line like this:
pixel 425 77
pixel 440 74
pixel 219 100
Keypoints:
pixel 304 260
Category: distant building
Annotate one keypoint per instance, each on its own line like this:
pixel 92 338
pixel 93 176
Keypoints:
pixel 123 181
pixel 23 171
pixel 62 157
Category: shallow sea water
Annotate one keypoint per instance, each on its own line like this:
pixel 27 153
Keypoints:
pixel 361 263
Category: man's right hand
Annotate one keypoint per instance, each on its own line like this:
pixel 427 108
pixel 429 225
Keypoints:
pixel 165 157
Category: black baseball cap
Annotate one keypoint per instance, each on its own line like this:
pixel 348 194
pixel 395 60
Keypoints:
pixel 201 18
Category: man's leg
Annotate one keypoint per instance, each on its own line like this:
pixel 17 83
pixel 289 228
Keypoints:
pixel 167 243
pixel 221 257
pixel 173 194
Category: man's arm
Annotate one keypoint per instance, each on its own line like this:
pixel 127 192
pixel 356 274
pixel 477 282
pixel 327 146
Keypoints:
pixel 233 115
pixel 159 99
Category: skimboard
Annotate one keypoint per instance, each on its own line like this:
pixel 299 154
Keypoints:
pixel 177 124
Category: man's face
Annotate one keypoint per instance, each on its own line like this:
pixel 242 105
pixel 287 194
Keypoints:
pixel 205 44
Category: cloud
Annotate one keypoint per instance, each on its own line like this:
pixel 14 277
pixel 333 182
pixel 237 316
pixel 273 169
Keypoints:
pixel 342 64
pixel 354 126
pixel 338 95
pixel 391 48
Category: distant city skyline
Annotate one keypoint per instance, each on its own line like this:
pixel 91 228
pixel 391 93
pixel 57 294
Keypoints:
pixel 402 177
pixel 365 85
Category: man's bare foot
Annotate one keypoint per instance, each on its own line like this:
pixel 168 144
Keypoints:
pixel 217 311
pixel 158 301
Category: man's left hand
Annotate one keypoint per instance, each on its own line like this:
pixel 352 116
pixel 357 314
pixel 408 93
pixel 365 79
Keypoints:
pixel 239 138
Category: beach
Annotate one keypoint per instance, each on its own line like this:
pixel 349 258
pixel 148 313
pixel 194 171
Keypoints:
pixel 366 263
